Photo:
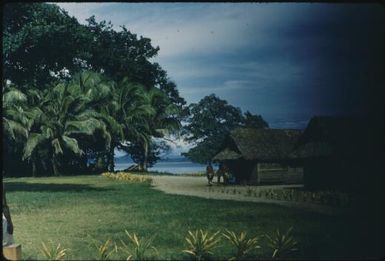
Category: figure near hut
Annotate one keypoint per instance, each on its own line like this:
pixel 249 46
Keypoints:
pixel 210 173
pixel 223 171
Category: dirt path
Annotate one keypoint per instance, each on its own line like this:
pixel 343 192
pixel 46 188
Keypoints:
pixel 197 186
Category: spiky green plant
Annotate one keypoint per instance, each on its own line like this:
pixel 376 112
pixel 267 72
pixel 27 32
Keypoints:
pixel 201 244
pixel 281 244
pixel 105 250
pixel 53 253
pixel 243 244
pixel 137 248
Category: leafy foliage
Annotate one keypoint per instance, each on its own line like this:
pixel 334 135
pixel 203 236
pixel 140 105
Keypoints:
pixel 53 253
pixel 39 38
pixel 210 120
pixel 201 244
pixel 105 250
pixel 127 177
pixel 242 243
pixel 282 244
pixel 137 248
pixel 64 112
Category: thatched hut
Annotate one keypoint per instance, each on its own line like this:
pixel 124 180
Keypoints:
pixel 335 153
pixel 261 155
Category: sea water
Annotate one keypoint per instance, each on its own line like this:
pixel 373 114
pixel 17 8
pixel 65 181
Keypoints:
pixel 170 166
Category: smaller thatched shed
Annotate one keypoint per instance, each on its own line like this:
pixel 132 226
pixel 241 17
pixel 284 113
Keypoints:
pixel 245 149
pixel 334 151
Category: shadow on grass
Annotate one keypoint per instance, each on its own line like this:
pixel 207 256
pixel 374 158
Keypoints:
pixel 50 187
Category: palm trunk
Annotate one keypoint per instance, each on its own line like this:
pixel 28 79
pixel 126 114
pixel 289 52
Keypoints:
pixel 54 166
pixel 111 163
pixel 141 166
pixel 145 156
pixel 33 169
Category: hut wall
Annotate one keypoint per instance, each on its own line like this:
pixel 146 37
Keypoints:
pixel 255 174
pixel 275 173
pixel 281 176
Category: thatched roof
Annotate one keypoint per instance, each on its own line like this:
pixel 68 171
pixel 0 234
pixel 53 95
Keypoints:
pixel 325 135
pixel 227 154
pixel 313 150
pixel 261 144
pixel 328 129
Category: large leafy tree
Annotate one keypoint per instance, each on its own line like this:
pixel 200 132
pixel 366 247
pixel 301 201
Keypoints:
pixel 121 54
pixel 40 40
pixel 210 120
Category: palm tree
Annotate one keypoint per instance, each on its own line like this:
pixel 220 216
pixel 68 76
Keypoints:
pixel 161 122
pixel 15 121
pixel 65 113
pixel 16 124
pixel 126 115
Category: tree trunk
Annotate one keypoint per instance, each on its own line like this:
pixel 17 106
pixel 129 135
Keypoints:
pixel 111 163
pixel 54 166
pixel 141 166
pixel 33 168
pixel 101 164
pixel 145 156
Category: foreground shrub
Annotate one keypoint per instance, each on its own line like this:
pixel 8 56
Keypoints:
pixel 136 248
pixel 201 244
pixel 105 250
pixel 282 245
pixel 53 253
pixel 126 176
pixel 242 243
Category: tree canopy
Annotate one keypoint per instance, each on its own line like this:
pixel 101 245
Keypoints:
pixel 210 121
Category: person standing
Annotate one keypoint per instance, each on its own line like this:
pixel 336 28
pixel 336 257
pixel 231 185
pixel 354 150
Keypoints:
pixel 220 172
pixel 210 173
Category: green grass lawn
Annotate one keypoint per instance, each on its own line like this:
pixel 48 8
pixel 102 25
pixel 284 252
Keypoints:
pixel 68 209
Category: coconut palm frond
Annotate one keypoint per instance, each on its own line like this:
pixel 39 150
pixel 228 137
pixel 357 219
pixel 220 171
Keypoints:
pixel 72 145
pixel 33 141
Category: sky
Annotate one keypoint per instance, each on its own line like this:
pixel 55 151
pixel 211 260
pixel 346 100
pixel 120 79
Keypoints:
pixel 284 61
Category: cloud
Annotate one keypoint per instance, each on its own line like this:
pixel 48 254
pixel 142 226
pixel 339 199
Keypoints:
pixel 238 84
